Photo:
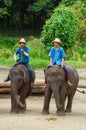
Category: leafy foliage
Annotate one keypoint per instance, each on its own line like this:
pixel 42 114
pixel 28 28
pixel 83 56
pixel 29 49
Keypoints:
pixel 38 5
pixel 7 2
pixel 3 11
pixel 24 13
pixel 38 54
pixel 62 24
pixel 7 42
pixel 4 7
pixel 80 11
pixel 68 2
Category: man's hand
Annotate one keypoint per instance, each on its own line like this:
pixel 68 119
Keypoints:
pixel 22 50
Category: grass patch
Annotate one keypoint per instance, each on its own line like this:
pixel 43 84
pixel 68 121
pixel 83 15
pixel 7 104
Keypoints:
pixel 76 64
pixel 38 55
pixel 40 63
pixel 7 61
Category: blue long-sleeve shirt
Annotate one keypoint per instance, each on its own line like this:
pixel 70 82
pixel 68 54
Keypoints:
pixel 21 56
pixel 57 55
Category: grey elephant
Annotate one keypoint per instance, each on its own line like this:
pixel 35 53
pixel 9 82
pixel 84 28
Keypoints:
pixel 57 84
pixel 20 88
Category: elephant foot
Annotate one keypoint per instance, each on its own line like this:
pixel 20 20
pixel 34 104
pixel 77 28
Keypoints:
pixel 68 110
pixel 45 112
pixel 60 113
pixel 14 111
pixel 21 112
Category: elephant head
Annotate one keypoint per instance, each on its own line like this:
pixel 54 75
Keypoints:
pixel 55 77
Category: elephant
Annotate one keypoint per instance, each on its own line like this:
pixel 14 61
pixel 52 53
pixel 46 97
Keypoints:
pixel 57 84
pixel 20 87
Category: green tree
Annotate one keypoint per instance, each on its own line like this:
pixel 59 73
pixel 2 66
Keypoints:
pixel 4 4
pixel 40 10
pixel 23 13
pixel 80 11
pixel 62 24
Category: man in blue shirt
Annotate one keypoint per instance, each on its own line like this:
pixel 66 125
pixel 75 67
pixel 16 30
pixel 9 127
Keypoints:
pixel 23 58
pixel 57 56
pixel 22 52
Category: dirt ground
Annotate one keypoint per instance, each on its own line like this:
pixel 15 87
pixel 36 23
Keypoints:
pixel 33 119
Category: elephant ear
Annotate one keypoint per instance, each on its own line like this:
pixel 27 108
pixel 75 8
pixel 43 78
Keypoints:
pixel 26 76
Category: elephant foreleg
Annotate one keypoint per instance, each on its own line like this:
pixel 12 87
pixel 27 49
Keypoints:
pixel 47 98
pixel 14 105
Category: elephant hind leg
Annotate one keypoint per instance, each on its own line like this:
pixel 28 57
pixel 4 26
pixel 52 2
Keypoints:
pixel 47 97
pixel 69 104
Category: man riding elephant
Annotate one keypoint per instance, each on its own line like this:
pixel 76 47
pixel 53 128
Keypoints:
pixel 60 79
pixel 23 58
pixel 57 56
pixel 22 78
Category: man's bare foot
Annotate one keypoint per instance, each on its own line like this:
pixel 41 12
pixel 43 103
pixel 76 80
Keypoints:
pixel 69 83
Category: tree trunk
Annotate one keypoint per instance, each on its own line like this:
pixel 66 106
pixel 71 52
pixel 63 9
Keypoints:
pixel 21 13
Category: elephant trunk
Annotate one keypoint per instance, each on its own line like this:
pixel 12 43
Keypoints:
pixel 55 89
pixel 19 103
pixel 14 93
pixel 59 106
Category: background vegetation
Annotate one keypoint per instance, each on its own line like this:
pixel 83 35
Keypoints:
pixel 62 24
pixel 40 21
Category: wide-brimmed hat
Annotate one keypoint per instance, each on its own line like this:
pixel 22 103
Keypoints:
pixel 57 40
pixel 22 40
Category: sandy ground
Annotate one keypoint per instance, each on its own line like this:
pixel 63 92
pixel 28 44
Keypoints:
pixel 33 119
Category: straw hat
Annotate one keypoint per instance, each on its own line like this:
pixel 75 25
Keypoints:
pixel 22 40
pixel 57 40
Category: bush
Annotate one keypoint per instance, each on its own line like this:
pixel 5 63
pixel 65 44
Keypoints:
pixel 62 24
pixel 37 49
pixel 84 57
pixel 68 2
pixel 7 42
pixel 5 53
